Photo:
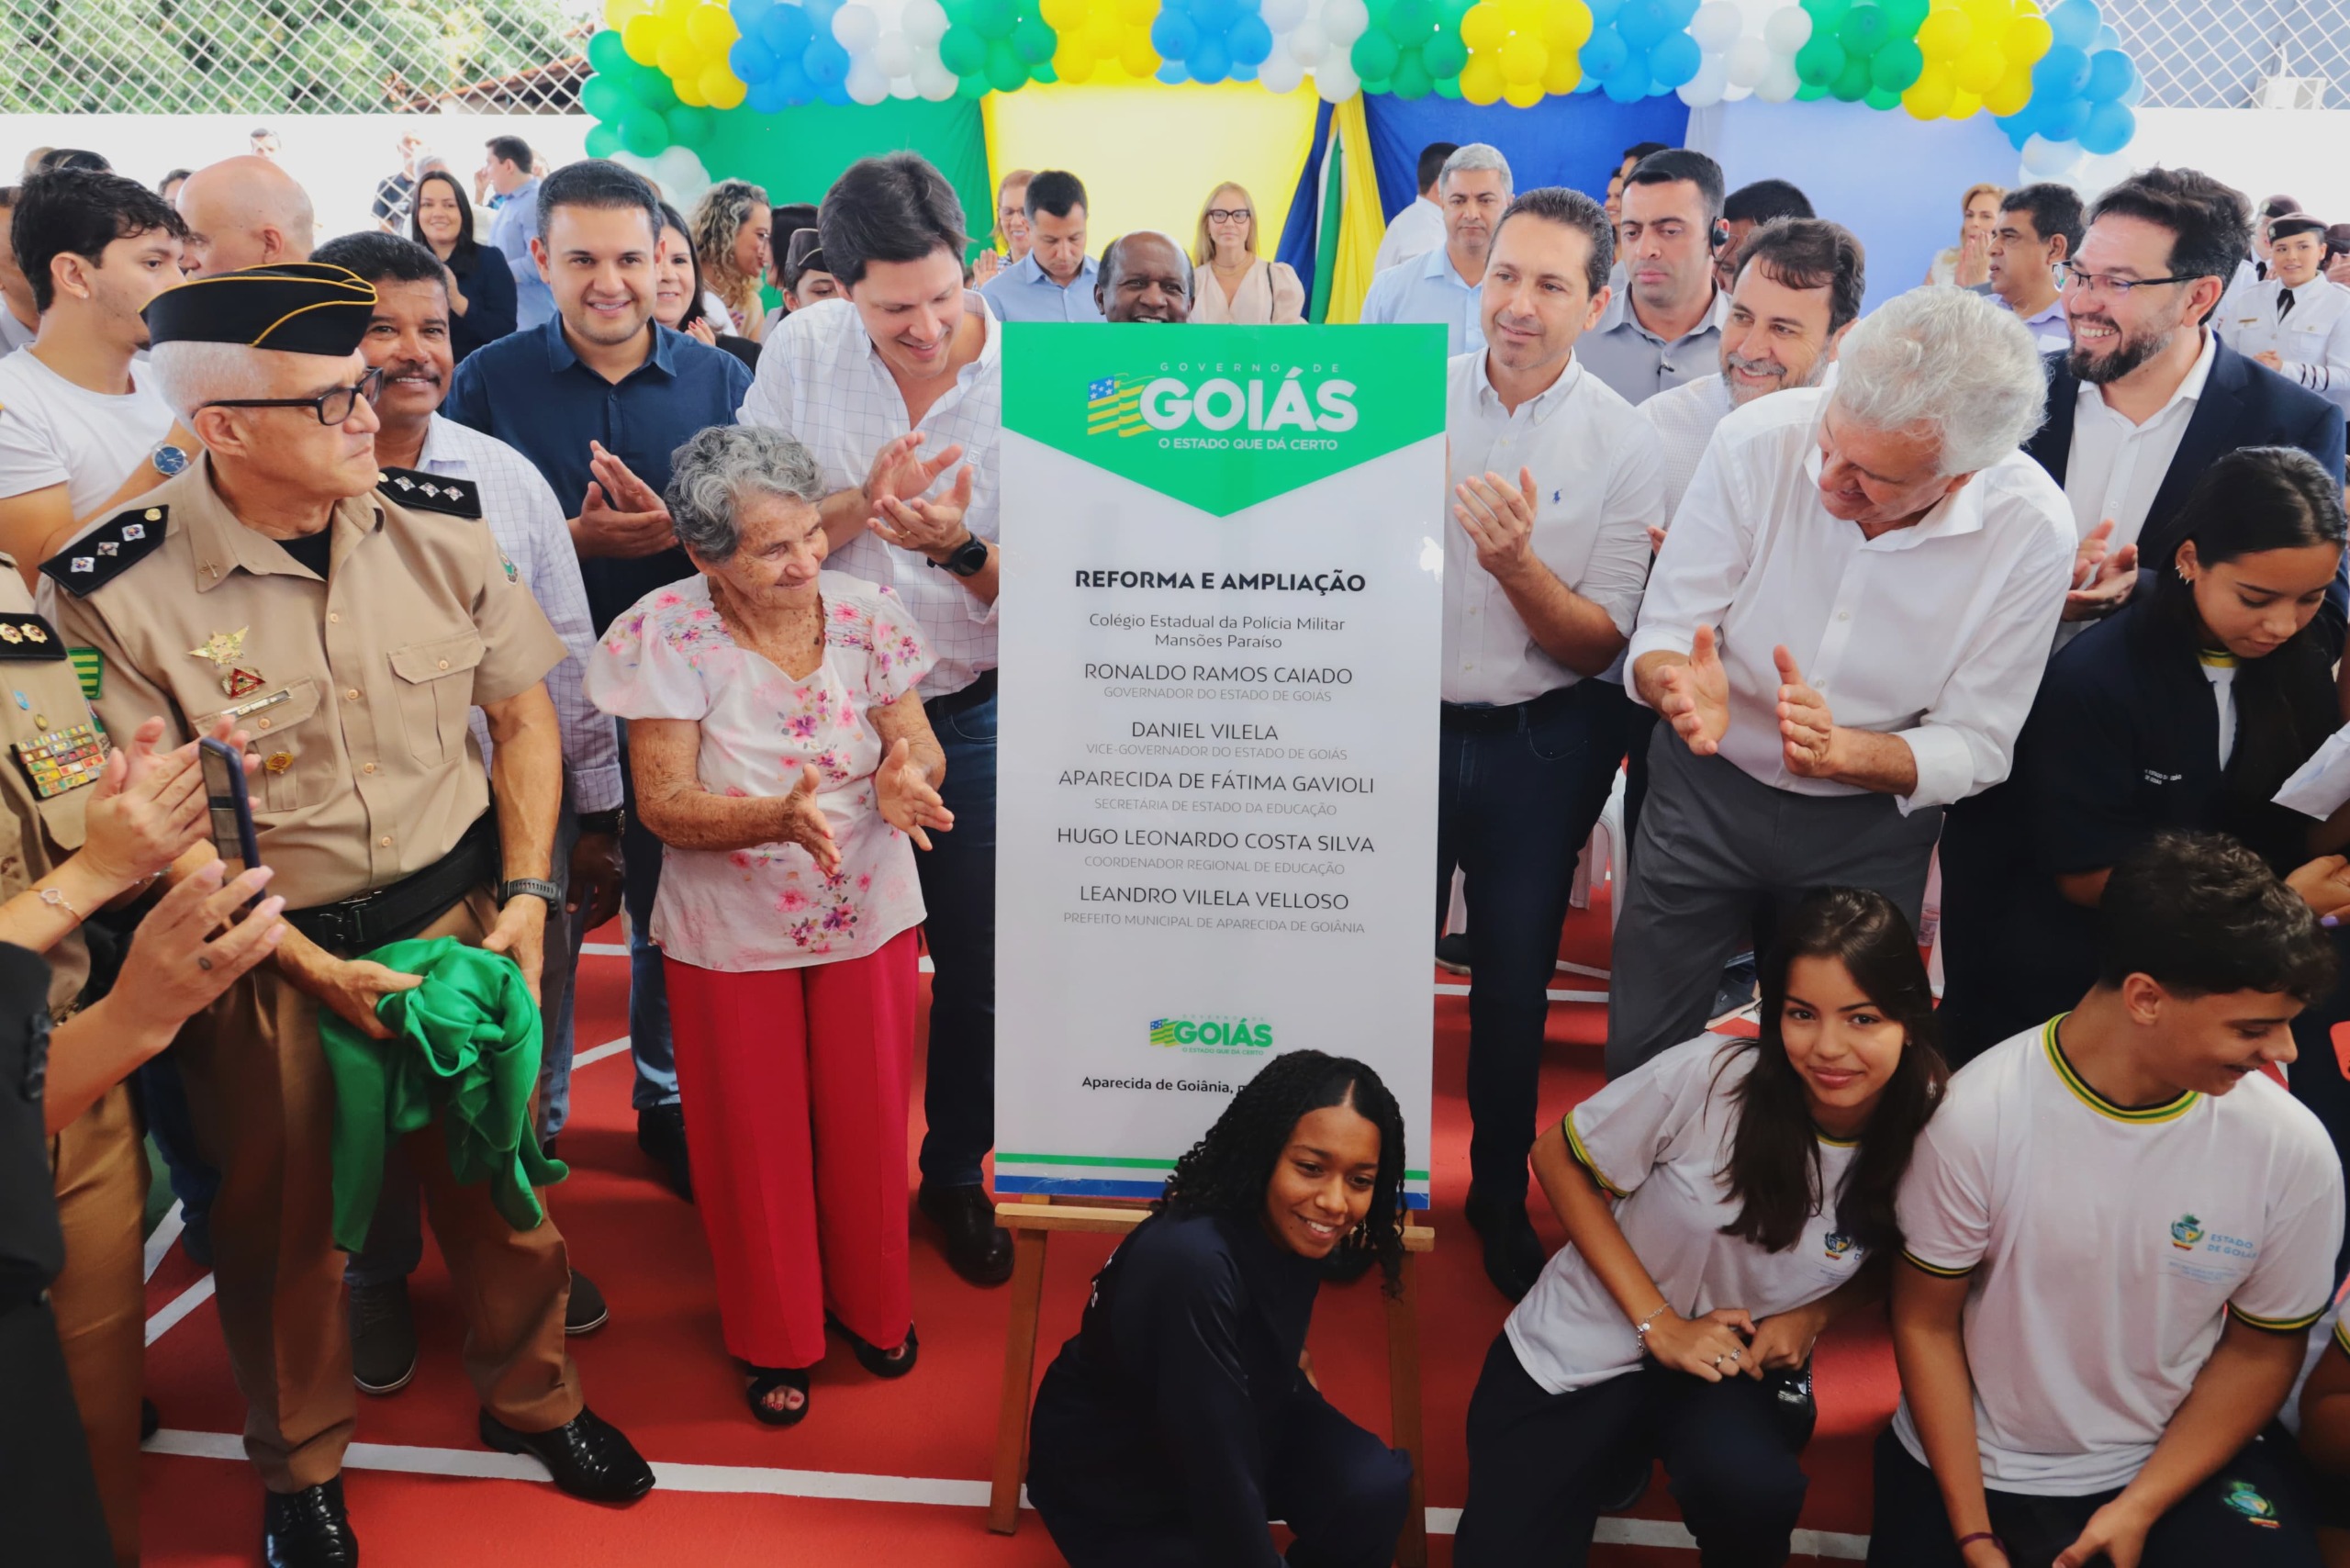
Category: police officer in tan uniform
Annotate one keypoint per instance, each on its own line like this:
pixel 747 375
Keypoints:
pixel 349 619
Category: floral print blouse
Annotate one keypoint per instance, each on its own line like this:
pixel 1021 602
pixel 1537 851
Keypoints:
pixel 671 657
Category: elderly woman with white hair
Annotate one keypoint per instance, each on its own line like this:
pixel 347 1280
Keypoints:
pixel 1843 634
pixel 782 757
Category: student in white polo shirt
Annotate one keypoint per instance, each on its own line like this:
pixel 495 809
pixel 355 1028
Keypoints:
pixel 1754 1186
pixel 81 430
pixel 2117 1234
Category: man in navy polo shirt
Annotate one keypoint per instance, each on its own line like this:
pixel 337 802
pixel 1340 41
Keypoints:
pixel 597 399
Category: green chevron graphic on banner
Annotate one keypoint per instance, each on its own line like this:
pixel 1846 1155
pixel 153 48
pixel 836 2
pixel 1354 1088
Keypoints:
pixel 1221 417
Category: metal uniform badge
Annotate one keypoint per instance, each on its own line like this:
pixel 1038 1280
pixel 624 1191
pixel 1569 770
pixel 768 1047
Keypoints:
pixel 225 649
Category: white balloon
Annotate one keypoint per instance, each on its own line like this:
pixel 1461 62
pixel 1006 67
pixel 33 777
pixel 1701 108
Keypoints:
pixel 1336 80
pixel 856 28
pixel 2099 171
pixel 1705 88
pixel 1279 73
pixel 902 88
pixel 923 22
pixel 1787 30
pixel 1716 24
pixel 677 171
pixel 932 79
pixel 2046 159
pixel 1283 14
pixel 1780 82
pixel 1747 63
pixel 894 54
pixel 1343 21
pixel 1304 42
pixel 866 84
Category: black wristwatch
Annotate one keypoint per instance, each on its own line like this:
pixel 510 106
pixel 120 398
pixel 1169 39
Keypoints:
pixel 531 887
pixel 601 822
pixel 967 558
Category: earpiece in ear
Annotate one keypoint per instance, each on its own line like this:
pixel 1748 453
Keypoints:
pixel 1721 234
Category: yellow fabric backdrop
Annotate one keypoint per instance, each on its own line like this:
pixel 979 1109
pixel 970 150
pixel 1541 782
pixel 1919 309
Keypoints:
pixel 1361 227
pixel 1150 154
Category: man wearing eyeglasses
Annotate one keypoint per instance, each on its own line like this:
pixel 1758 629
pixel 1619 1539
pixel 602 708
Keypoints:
pixel 2149 397
pixel 349 619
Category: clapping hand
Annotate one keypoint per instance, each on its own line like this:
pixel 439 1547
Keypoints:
pixel 801 820
pixel 927 528
pixel 991 262
pixel 622 515
pixel 2102 578
pixel 900 472
pixel 1696 695
pixel 1499 520
pixel 148 806
pixel 901 789
pixel 1807 729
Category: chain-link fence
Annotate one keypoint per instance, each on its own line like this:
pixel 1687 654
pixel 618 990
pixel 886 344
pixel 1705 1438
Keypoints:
pixel 281 57
pixel 278 57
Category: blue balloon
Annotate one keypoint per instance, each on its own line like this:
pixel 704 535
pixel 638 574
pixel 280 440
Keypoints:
pixel 1630 82
pixel 2107 37
pixel 1241 72
pixel 1676 58
pixel 1216 16
pixel 751 59
pixel 1208 61
pixel 2017 128
pixel 791 79
pixel 1173 35
pixel 820 14
pixel 1602 13
pixel 2110 130
pixel 2064 119
pixel 2112 75
pixel 1642 23
pixel 834 93
pixel 1249 42
pixel 1603 55
pixel 1171 71
pixel 1680 12
pixel 2135 96
pixel 785 30
pixel 825 62
pixel 2075 23
pixel 2062 73
pixel 747 13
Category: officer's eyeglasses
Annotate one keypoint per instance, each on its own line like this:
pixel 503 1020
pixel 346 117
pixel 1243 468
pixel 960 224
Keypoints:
pixel 332 406
pixel 2107 286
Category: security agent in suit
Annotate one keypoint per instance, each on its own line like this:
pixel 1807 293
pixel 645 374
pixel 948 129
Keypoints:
pixel 350 619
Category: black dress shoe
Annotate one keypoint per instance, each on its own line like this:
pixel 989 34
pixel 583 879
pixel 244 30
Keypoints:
pixel 1513 1253
pixel 308 1528
pixel 588 1456
pixel 978 1248
pixel 661 1134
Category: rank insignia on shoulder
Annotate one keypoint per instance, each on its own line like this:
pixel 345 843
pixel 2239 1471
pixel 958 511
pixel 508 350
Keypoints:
pixel 108 551
pixel 29 637
pixel 431 492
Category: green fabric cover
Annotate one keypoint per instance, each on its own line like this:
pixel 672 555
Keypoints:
pixel 465 1049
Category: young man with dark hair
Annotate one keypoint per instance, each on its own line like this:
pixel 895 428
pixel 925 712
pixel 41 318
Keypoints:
pixel 1554 479
pixel 597 399
pixel 2118 1232
pixel 1419 227
pixel 1054 282
pixel 1747 208
pixel 84 430
pixel 1666 326
pixel 407 340
pixel 2039 229
pixel 900 398
pixel 513 194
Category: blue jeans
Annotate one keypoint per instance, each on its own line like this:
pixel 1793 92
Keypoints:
pixel 958 892
pixel 1520 791
pixel 648 991
pixel 163 1099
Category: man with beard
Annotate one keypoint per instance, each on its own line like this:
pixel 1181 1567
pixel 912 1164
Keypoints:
pixel 408 340
pixel 1662 327
pixel 1442 286
pixel 1144 277
pixel 2149 397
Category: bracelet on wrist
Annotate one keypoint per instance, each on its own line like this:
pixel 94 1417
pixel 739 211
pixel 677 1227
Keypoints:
pixel 1640 1329
pixel 601 822
pixel 56 899
pixel 1967 1540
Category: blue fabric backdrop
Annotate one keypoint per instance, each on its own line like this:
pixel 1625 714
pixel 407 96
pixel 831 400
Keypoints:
pixel 1575 140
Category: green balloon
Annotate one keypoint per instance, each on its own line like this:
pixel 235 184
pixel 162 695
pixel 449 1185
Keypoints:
pixel 1411 79
pixel 653 90
pixel 1904 16
pixel 1852 83
pixel 1827 15
pixel 603 141
pixel 688 127
pixel 974 85
pixel 1448 87
pixel 1864 30
pixel 963 52
pixel 1448 14
pixel 1882 98
pixel 643 132
pixel 994 19
pixel 604 99
pixel 1007 71
pixel 1895 68
pixel 606 54
pixel 1045 73
pixel 1819 61
pixel 1376 89
pixel 1444 54
pixel 1374 56
pixel 1810 93
pixel 1035 41
pixel 1409 22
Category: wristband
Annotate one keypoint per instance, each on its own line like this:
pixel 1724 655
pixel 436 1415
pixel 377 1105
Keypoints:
pixel 607 822
pixel 529 887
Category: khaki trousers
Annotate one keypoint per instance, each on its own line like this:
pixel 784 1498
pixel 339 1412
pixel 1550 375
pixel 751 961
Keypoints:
pixel 262 1101
pixel 100 1298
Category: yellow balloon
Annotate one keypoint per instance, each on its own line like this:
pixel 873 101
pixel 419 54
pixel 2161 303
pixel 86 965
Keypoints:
pixel 674 11
pixel 1138 14
pixel 2027 37
pixel 618 12
pixel 1523 16
pixel 1929 97
pixel 1522 95
pixel 1483 27
pixel 1073 62
pixel 677 60
pixel 1963 106
pixel 1063 16
pixel 1566 27
pixel 1481 80
pixel 2008 94
pixel 642 39
pixel 1139 59
pixel 688 91
pixel 1105 33
pixel 1990 16
pixel 728 94
pixel 1980 68
pixel 1523 61
pixel 1564 72
pixel 1945 33
pixel 710 30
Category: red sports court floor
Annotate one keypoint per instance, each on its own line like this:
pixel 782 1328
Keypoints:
pixel 880 1473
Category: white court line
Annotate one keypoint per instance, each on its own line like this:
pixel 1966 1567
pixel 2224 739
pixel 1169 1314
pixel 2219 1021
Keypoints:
pixel 187 1301
pixel 167 1230
pixel 608 1048
pixel 1584 969
pixel 481 1465
pixel 1554 995
pixel 603 950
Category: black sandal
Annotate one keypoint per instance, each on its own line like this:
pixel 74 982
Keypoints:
pixel 896 1362
pixel 766 1381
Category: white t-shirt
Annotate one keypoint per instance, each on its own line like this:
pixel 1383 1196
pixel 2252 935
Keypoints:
pixel 1659 1137
pixel 2332 1333
pixel 53 432
pixel 2107 1247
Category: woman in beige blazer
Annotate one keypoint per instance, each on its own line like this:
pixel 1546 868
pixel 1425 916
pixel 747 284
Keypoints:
pixel 1232 282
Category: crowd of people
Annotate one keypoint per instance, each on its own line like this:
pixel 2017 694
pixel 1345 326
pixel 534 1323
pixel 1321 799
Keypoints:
pixel 541 565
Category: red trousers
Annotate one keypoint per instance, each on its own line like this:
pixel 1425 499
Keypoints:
pixel 795 1085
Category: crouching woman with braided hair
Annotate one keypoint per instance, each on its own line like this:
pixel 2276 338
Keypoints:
pixel 1182 1418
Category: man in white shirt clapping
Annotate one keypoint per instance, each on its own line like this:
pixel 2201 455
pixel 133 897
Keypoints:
pixel 1843 634
pixel 1554 481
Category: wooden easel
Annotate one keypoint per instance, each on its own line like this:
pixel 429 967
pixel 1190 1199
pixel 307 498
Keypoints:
pixel 1032 1219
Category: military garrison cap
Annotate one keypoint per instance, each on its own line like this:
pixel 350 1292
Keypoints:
pixel 294 307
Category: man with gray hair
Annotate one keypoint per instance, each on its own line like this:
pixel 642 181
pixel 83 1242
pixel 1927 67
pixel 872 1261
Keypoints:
pixel 1843 634
pixel 1442 286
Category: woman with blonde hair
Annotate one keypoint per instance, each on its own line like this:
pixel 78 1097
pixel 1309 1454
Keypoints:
pixel 731 225
pixel 1235 283
pixel 1968 263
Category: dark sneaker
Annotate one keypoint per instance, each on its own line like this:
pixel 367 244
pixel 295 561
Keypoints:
pixel 383 1337
pixel 586 1312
